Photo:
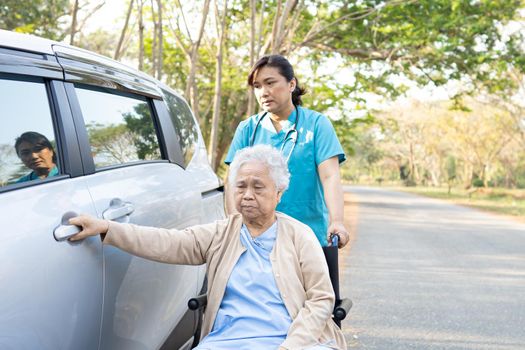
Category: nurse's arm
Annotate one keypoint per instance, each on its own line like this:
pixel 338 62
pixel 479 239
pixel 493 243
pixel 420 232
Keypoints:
pixel 333 196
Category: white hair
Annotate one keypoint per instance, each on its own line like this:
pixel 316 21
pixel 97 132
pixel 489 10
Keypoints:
pixel 268 156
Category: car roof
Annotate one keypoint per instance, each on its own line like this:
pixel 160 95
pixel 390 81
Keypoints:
pixel 26 42
pixel 35 44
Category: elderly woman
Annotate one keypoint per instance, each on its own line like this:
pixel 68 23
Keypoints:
pixel 268 282
pixel 37 153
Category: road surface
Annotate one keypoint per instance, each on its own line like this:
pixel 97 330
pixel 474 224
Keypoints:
pixel 426 274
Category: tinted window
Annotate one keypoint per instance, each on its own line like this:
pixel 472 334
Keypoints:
pixel 27 125
pixel 120 127
pixel 182 119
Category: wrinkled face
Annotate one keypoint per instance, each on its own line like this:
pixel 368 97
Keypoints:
pixel 255 193
pixel 36 157
pixel 272 91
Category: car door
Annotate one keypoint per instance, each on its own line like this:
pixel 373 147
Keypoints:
pixel 132 181
pixel 51 291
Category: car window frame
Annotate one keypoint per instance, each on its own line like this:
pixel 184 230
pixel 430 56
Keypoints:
pixel 185 161
pixel 58 124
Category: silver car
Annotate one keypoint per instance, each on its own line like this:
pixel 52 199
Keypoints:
pixel 84 134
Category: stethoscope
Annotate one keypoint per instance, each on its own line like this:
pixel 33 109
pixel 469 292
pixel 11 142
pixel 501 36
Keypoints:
pixel 291 134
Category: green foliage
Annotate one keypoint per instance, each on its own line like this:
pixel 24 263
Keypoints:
pixel 432 41
pixel 509 202
pixel 100 41
pixel 477 182
pixel 110 144
pixel 451 168
pixel 387 45
pixel 40 17
pixel 145 137
pixel 135 139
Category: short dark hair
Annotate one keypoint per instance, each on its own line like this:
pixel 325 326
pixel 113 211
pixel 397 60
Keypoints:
pixel 35 138
pixel 285 69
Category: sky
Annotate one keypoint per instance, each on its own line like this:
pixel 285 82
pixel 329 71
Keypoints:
pixel 111 16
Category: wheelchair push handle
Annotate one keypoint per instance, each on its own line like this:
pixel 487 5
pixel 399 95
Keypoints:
pixel 334 240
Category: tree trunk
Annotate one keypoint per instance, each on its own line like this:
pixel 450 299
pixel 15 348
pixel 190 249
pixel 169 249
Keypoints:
pixel 160 48
pixel 73 23
pixel 141 36
pixel 118 51
pixel 468 173
pixel 251 97
pixel 281 25
pixel 214 134
pixel 414 174
pixel 191 87
pixel 154 42
pixel 260 29
pixel 276 26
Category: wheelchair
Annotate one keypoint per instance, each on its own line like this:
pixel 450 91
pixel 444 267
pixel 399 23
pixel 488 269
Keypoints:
pixel 342 306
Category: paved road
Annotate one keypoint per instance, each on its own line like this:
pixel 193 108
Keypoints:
pixel 425 274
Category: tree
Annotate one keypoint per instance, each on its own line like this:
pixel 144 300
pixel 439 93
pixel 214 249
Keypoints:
pixel 430 142
pixel 118 50
pixel 77 23
pixel 221 21
pixel 451 171
pixel 40 17
pixel 141 33
pixel 112 143
pixel 191 49
pixel 428 42
pixel 144 136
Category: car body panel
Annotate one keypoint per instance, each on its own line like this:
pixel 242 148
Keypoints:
pixel 142 299
pixel 51 291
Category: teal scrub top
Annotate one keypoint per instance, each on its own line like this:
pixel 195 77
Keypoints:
pixel 316 142
pixel 33 176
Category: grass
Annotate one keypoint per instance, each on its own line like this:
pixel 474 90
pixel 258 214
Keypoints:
pixel 496 200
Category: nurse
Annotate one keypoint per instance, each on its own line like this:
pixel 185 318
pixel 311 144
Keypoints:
pixel 308 142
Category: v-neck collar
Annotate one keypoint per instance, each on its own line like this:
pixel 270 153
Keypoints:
pixel 286 125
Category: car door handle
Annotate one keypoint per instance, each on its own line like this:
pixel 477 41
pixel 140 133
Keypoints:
pixel 65 230
pixel 118 210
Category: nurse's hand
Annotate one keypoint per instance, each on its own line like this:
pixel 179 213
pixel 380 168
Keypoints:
pixel 339 229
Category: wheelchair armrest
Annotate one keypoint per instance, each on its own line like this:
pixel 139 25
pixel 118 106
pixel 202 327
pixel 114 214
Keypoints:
pixel 198 302
pixel 342 308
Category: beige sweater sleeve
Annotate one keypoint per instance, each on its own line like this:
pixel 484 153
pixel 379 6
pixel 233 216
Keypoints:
pixel 312 318
pixel 188 247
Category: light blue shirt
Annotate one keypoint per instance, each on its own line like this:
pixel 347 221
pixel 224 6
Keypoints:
pixel 316 142
pixel 252 314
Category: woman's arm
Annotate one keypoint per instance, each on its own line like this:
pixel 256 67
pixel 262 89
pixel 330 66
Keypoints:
pixel 333 196
pixel 189 246
pixel 316 310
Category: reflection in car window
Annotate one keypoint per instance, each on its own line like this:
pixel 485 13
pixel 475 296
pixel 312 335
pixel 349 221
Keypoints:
pixel 27 139
pixel 184 123
pixel 120 128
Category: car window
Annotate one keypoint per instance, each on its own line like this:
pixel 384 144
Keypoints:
pixel 182 119
pixel 120 127
pixel 28 150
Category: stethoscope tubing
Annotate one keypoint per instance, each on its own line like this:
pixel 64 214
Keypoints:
pixel 292 131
